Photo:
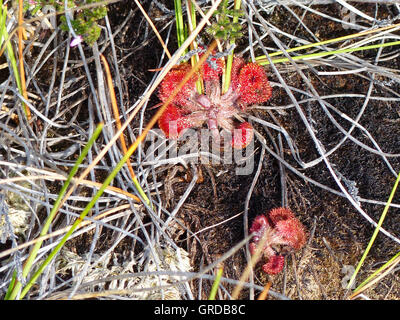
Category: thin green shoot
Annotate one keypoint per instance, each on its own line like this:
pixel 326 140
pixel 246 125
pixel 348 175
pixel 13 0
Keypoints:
pixel 228 70
pixel 321 43
pixel 193 46
pixel 369 281
pixel 4 38
pixel 374 235
pixel 329 53
pixel 29 262
pixel 180 27
pixel 214 288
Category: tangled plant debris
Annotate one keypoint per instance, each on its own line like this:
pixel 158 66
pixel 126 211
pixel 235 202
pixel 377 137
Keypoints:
pixel 282 231
pixel 249 85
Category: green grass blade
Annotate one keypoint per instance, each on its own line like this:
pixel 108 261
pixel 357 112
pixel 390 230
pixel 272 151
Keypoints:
pixel 180 29
pixel 4 38
pixel 195 58
pixel 2 21
pixel 373 275
pixel 140 190
pixel 321 43
pixel 11 286
pixel 228 71
pixel 29 262
pixel 328 53
pixel 214 288
pixel 9 49
pixel 382 218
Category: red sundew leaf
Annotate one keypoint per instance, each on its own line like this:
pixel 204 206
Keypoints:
pixel 274 265
pixel 254 86
pixel 278 214
pixel 172 80
pixel 259 226
pixel 172 122
pixel 242 135
pixel 211 74
pixel 237 64
pixel 292 231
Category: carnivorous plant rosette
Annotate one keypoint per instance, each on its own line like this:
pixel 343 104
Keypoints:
pixel 283 232
pixel 189 109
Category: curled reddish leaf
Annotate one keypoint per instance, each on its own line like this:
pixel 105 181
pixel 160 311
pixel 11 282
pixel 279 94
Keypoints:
pixel 172 80
pixel 237 64
pixel 278 214
pixel 259 226
pixel 274 265
pixel 172 122
pixel 253 84
pixel 292 232
pixel 242 135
